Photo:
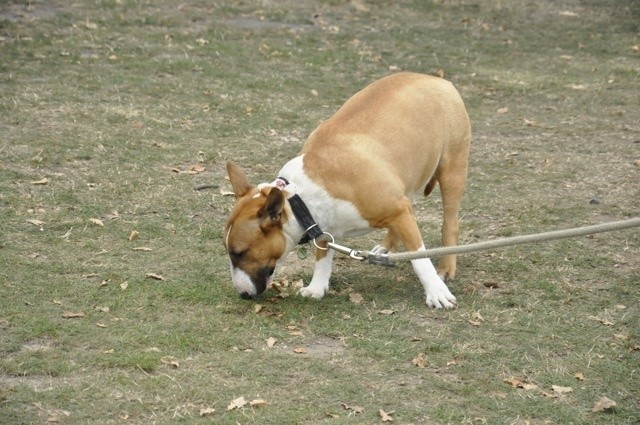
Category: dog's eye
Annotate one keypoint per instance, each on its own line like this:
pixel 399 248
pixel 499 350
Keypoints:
pixel 237 255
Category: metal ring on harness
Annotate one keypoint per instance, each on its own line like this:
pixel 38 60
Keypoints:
pixel 323 233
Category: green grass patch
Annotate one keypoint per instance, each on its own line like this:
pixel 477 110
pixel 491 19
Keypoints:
pixel 115 298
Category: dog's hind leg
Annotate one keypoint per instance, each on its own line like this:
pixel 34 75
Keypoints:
pixel 389 244
pixel 452 177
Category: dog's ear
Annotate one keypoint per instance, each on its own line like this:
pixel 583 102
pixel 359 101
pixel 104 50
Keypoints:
pixel 239 181
pixel 271 211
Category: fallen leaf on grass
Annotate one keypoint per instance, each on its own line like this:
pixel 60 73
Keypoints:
pixel 124 285
pixel 36 222
pixel 387 312
pixel 561 390
pixel 97 222
pixel 476 319
pixel 356 298
pixel 579 376
pixel 257 308
pixel 354 409
pixel 271 342
pixel 207 411
pixel 170 361
pixel 604 404
pixel 238 403
pixel 72 315
pixel 300 350
pixel 101 325
pixel 502 110
pixel 519 383
pixel 386 417
pixel 420 361
pixel 601 320
pixel 133 235
pixel 41 181
pixel 142 249
pixel 258 403
pixel 154 276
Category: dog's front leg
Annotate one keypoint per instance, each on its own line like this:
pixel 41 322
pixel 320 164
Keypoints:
pixel 321 273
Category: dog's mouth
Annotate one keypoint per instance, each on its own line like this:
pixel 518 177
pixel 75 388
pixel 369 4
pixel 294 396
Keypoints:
pixel 256 285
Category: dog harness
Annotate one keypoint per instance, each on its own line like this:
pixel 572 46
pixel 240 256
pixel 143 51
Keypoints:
pixel 302 214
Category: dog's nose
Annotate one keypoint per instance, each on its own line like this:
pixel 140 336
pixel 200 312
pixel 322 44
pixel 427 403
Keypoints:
pixel 245 296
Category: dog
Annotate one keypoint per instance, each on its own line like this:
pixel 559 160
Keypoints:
pixel 401 135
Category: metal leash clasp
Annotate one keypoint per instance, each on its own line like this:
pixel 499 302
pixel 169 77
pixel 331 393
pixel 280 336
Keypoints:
pixel 352 253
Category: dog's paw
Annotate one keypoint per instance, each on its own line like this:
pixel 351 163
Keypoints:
pixel 441 297
pixel 310 292
pixel 379 250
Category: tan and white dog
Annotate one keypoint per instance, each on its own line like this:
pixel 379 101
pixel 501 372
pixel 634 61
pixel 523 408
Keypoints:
pixel 356 172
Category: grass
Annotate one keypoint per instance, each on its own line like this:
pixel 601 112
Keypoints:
pixel 109 100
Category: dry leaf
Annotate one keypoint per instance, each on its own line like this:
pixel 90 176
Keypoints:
pixel 360 5
pixel 101 325
pixel 502 110
pixel 476 319
pixel 133 235
pixel 142 248
pixel 518 383
pixel 354 409
pixel 36 222
pixel 72 315
pixel 300 350
pixel 604 404
pixel 258 403
pixel 41 181
pixel 154 276
pixel 561 390
pixel 257 308
pixel 567 13
pixel 238 403
pixel 207 411
pixel 196 169
pixel 420 361
pixel 601 320
pixel 314 92
pixel 227 193
pixel 387 312
pixel 579 376
pixel 356 298
pixel 124 285
pixel 271 342
pixel 97 222
pixel 386 417
pixel 102 309
pixel 170 361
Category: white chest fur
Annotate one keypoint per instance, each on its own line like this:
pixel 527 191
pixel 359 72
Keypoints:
pixel 336 216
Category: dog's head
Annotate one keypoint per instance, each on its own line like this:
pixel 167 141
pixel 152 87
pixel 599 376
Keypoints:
pixel 254 238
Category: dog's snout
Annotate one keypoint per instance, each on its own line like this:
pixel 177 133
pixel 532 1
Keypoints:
pixel 246 296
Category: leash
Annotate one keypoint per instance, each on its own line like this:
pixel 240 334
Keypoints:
pixel 390 259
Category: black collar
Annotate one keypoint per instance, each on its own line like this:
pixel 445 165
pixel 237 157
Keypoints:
pixel 304 217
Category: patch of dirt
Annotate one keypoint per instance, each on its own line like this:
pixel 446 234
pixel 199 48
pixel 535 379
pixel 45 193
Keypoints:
pixel 321 347
pixel 28 12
